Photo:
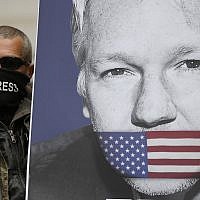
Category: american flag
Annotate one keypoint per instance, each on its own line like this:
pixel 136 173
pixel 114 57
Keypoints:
pixel 158 154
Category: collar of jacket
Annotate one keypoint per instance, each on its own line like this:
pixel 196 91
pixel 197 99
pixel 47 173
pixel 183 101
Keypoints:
pixel 23 110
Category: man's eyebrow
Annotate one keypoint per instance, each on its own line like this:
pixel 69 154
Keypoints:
pixel 111 57
pixel 181 51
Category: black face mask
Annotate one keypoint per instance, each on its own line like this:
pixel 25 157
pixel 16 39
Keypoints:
pixel 12 91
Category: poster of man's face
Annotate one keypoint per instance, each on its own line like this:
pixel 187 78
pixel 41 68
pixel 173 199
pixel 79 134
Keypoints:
pixel 139 65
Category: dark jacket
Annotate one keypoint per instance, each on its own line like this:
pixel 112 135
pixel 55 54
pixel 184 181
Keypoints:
pixel 13 153
pixel 72 167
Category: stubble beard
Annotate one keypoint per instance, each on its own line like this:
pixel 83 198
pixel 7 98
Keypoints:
pixel 154 187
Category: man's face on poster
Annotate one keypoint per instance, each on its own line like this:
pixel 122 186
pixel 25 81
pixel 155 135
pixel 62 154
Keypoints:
pixel 142 70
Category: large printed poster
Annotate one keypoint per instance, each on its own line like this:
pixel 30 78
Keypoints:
pixel 116 101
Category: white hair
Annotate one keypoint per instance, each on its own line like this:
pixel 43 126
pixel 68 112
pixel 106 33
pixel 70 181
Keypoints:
pixel 77 24
pixel 79 8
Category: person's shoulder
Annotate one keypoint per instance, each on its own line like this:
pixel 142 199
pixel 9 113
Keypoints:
pixel 61 165
pixel 47 151
pixel 73 167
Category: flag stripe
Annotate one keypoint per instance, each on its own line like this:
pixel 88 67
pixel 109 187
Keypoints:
pixel 173 168
pixel 173 155
pixel 173 175
pixel 173 142
pixel 173 134
pixel 173 149
pixel 174 162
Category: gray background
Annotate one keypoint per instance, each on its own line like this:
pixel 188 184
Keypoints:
pixel 57 108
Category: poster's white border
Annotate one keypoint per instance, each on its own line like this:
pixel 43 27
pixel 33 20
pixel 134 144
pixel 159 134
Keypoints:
pixel 33 88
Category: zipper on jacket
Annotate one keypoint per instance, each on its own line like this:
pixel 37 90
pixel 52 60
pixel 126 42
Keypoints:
pixel 13 139
pixel 10 131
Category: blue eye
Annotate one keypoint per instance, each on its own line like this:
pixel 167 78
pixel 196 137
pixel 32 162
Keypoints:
pixel 117 72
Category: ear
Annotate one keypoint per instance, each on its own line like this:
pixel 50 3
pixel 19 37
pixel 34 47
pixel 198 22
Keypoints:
pixel 30 70
pixel 86 113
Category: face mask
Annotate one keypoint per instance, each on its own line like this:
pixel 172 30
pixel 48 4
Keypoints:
pixel 166 154
pixel 12 88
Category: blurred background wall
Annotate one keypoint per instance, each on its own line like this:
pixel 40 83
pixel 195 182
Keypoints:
pixel 21 14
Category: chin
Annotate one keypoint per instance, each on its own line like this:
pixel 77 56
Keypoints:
pixel 154 186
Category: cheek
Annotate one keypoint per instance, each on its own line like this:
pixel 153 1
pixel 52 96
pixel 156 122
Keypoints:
pixel 110 107
pixel 185 92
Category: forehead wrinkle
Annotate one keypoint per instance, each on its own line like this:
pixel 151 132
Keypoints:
pixel 191 10
pixel 97 36
pixel 100 14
